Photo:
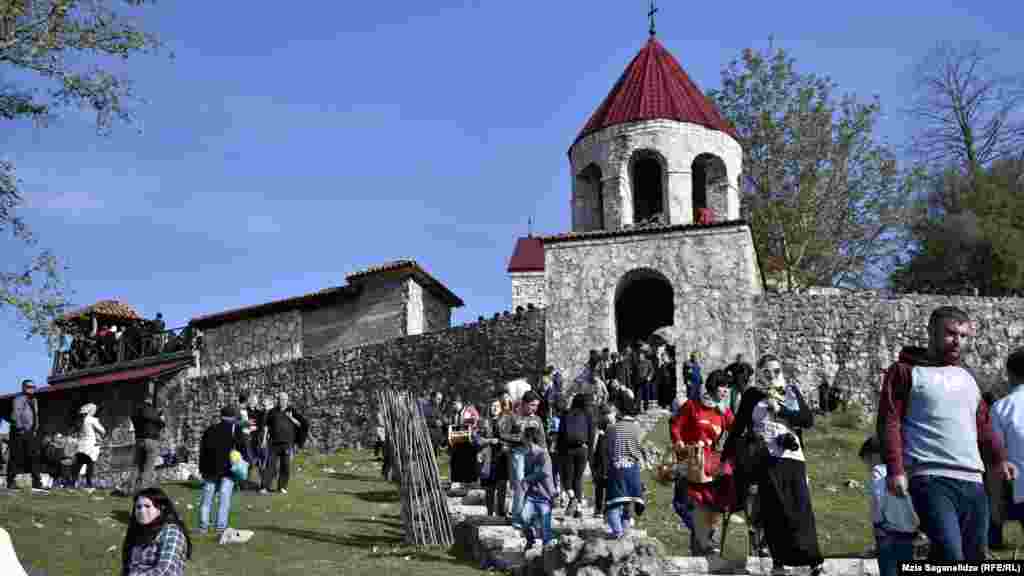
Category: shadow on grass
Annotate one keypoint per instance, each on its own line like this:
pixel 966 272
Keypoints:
pixel 356 477
pixel 374 496
pixel 390 523
pixel 356 540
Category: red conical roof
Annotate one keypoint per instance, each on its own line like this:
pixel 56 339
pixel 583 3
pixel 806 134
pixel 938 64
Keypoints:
pixel 655 86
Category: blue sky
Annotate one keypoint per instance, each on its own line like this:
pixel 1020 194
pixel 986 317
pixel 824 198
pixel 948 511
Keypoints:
pixel 282 149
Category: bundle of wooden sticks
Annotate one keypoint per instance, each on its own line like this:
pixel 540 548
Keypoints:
pixel 424 507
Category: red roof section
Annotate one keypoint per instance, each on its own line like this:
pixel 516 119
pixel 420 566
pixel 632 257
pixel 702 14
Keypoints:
pixel 655 86
pixel 119 376
pixel 528 256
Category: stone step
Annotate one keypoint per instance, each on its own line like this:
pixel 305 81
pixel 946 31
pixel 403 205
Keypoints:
pixel 693 565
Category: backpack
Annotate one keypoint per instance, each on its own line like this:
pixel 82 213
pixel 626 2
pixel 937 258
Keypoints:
pixel 576 436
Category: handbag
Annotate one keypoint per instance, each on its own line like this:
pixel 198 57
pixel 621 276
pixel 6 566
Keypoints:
pixel 239 467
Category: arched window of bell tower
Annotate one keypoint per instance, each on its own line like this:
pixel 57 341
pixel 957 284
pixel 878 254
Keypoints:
pixel 647 176
pixel 710 185
pixel 590 198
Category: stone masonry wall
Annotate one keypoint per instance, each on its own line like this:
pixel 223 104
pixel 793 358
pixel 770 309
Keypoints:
pixel 712 274
pixel 677 145
pixel 337 391
pixel 849 338
pixel 378 314
pixel 436 314
pixel 251 343
pixel 527 288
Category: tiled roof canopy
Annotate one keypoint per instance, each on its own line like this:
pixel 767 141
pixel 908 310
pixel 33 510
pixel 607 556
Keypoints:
pixel 111 309
pixel 399 268
pixel 528 256
pixel 654 86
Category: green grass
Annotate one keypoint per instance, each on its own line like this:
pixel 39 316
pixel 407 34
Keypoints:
pixel 341 523
pixel 348 522
pixel 843 516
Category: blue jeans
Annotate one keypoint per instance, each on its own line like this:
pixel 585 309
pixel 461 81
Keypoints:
pixel 954 516
pixel 619 518
pixel 516 471
pixel 536 512
pixel 223 505
pixel 894 548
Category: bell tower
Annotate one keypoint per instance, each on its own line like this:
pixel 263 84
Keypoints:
pixel 656 151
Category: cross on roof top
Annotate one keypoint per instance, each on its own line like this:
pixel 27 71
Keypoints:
pixel 650 14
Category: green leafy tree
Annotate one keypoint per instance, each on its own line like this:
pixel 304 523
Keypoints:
pixel 969 234
pixel 68 46
pixel 826 202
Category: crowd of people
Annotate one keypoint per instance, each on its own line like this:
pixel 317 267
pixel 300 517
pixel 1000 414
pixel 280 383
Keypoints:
pixel 943 460
pixel 95 342
pixel 943 467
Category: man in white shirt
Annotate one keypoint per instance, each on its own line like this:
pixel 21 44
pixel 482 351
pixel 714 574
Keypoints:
pixel 1008 424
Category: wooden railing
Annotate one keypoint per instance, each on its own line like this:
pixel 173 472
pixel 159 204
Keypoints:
pixel 86 352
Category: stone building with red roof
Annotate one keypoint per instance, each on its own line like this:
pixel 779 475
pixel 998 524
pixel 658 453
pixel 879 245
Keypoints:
pixel 656 241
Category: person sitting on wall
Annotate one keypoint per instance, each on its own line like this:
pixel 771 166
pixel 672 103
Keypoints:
pixel 284 430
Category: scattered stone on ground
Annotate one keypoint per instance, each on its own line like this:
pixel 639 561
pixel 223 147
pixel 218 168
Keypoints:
pixel 235 536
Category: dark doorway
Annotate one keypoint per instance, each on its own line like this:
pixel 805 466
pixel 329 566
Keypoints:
pixel 644 302
pixel 648 187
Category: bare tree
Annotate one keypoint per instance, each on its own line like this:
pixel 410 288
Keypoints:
pixel 965 111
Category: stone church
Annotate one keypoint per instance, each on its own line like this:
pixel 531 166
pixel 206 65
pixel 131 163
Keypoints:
pixel 656 241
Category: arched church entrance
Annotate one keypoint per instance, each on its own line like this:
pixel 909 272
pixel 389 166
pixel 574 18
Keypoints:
pixel 644 302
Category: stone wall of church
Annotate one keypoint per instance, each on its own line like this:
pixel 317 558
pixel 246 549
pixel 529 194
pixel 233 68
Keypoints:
pixel 676 145
pixel 251 343
pixel 713 276
pixel 337 391
pixel 528 288
pixel 849 337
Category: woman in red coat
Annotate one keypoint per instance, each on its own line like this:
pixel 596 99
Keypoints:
pixel 703 424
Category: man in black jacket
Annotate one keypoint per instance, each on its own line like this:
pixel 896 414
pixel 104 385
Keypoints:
pixel 215 467
pixel 148 424
pixel 285 428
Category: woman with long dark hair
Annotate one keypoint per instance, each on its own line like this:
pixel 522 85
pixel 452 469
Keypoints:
pixel 770 416
pixel 157 541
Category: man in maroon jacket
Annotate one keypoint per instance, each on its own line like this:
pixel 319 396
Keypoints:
pixel 934 427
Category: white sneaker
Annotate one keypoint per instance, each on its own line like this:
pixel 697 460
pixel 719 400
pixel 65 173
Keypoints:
pixel 263 491
pixel 284 491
